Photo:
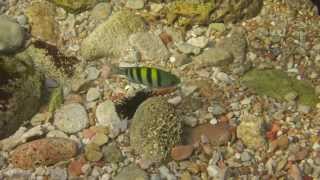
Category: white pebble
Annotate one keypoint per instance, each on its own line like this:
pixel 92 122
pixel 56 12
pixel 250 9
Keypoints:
pixel 213 121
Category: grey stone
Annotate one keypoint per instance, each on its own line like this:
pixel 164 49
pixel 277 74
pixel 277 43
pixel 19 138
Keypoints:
pixel 245 156
pixel 135 4
pixel 93 94
pixel 165 173
pixel 92 73
pixel 213 57
pixel 235 44
pixel 112 153
pixel 150 46
pixel 111 37
pixel 11 35
pixel 188 48
pixel 132 172
pixel 58 173
pixel 71 118
pixel 200 41
pixel 3 161
pixel 217 109
pixel 101 11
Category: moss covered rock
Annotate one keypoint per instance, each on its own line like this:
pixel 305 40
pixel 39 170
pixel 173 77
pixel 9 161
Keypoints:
pixel 190 12
pixel 278 84
pixel 155 129
pixel 111 37
pixel 20 92
pixel 75 6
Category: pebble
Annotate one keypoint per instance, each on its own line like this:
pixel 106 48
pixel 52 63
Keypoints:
pixel 101 11
pixel 245 156
pixel 75 167
pixel 281 142
pixel 218 27
pixel 42 152
pixel 92 73
pixel 107 116
pixel 190 121
pixel 93 94
pixel 304 108
pixel 2 161
pixel 251 131
pixel 175 100
pixel 200 41
pixel 181 152
pixel 57 133
pixel 150 46
pixel 99 139
pixel 291 96
pixel 112 153
pixel 71 118
pixel 213 170
pixel 165 173
pixel 133 172
pixel 135 4
pixel 57 173
pixel 92 152
pixel 188 48
pixel 217 109
pixel 12 36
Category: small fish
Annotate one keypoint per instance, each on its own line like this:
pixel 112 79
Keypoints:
pixel 151 77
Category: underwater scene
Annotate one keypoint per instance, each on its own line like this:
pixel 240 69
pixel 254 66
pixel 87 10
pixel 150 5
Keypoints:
pixel 159 90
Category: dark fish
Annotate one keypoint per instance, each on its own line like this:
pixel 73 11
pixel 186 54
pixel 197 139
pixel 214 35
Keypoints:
pixel 151 77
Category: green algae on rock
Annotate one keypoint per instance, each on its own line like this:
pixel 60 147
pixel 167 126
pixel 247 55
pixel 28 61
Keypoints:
pixel 75 6
pixel 56 99
pixel 112 36
pixel 278 84
pixel 41 18
pixel 155 129
pixel 20 92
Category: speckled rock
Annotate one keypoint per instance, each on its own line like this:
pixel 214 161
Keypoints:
pixel 150 46
pixel 11 35
pixel 278 84
pixel 71 118
pixel 112 153
pixel 75 5
pixel 43 152
pixel 111 37
pixel 155 129
pixel 133 172
pixel 251 131
pixel 26 89
pixel 41 17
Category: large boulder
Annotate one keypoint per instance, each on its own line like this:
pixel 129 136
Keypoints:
pixel 20 92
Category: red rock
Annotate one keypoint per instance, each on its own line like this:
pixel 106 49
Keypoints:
pixel 281 143
pixel 272 133
pixel 88 133
pixel 294 172
pixel 43 152
pixel 75 166
pixel 218 134
pixel 181 152
pixel 166 38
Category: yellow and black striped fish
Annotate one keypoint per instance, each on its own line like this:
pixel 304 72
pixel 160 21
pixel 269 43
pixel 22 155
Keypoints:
pixel 151 77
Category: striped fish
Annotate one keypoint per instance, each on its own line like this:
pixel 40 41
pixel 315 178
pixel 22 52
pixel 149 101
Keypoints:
pixel 151 77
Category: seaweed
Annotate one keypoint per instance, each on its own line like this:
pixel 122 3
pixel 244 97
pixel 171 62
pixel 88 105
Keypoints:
pixel 67 63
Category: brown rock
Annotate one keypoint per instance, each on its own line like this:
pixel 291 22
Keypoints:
pixel 301 155
pixel 181 152
pixel 43 152
pixel 218 134
pixel 75 166
pixel 281 143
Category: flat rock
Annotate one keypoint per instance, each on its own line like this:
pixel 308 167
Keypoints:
pixel 106 114
pixel 43 152
pixel 181 152
pixel 71 118
pixel 278 84
pixel 150 46
pixel 218 134
pixel 133 172
pixel 111 37
pixel 213 57
pixel 11 35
